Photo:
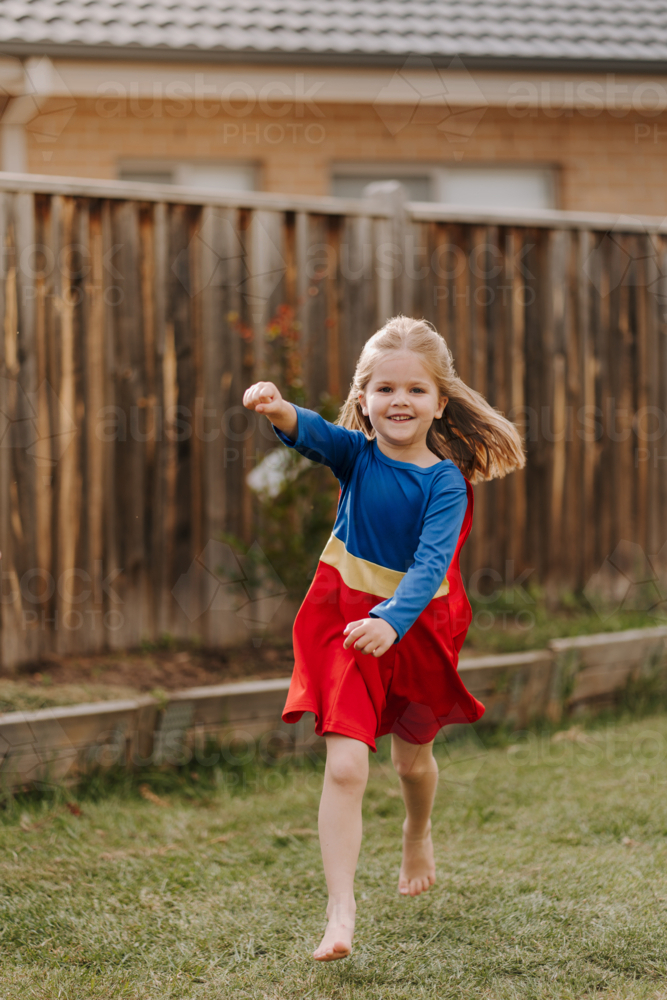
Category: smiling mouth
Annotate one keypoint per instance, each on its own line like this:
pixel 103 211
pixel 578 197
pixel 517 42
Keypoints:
pixel 400 418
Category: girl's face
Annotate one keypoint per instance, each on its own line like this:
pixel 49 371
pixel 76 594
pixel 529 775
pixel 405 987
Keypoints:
pixel 401 399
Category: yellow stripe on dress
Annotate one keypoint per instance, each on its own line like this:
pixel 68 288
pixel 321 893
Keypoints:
pixel 360 574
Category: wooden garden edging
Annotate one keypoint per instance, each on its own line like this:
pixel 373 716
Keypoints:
pixel 590 669
pixel 52 745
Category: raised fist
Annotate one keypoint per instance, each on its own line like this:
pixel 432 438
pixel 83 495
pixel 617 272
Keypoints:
pixel 263 397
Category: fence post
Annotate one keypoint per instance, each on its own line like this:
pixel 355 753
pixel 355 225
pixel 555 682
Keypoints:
pixel 393 289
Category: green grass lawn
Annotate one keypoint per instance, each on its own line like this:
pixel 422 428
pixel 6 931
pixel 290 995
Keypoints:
pixel 552 881
pixel 516 620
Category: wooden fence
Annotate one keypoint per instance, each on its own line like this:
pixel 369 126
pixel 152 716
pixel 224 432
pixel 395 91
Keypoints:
pixel 135 315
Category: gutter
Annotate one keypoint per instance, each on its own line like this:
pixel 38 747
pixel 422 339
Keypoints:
pixel 657 67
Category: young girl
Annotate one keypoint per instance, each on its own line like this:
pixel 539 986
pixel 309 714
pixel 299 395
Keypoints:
pixel 377 638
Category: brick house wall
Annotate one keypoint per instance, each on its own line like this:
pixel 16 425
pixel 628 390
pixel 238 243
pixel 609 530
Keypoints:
pixel 611 162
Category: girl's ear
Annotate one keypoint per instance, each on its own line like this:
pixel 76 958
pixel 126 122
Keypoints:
pixel 443 403
pixel 362 403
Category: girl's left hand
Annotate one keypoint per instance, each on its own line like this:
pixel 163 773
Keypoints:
pixel 370 635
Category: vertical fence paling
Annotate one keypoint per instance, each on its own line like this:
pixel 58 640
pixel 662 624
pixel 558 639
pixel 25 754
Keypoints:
pixel 131 327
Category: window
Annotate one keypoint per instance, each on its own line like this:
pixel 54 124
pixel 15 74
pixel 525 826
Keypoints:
pixel 201 176
pixel 419 186
pixel 490 186
pixel 496 187
pixel 147 176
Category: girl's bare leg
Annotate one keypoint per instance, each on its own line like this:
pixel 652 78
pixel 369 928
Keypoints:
pixel 418 771
pixel 345 779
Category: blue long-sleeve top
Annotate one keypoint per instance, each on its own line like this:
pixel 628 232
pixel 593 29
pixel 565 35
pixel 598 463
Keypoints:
pixel 400 523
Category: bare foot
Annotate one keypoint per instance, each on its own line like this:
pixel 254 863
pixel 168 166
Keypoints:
pixel 337 940
pixel 418 868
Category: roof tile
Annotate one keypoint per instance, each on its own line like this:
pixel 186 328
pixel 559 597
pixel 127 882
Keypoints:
pixel 557 29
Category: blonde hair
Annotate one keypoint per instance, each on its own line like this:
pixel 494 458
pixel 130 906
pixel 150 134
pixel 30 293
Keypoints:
pixel 473 434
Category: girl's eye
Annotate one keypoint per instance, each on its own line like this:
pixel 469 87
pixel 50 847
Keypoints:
pixel 387 388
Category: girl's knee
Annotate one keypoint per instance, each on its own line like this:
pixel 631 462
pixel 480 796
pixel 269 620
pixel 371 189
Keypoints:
pixel 347 770
pixel 346 773
pixel 415 767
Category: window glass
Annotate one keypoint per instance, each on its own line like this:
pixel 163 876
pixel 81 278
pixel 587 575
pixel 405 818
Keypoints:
pixel 481 187
pixel 419 186
pixel 210 176
pixel 147 176
pixel 223 177
pixel 475 187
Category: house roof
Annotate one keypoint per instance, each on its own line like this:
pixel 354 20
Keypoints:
pixel 625 33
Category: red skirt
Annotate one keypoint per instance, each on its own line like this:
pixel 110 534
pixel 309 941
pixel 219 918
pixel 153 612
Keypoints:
pixel 412 690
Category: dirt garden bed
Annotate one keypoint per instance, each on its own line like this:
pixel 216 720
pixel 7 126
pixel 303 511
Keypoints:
pixel 54 680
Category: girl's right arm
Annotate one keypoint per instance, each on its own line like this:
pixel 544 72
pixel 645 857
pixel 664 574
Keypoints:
pixel 306 431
